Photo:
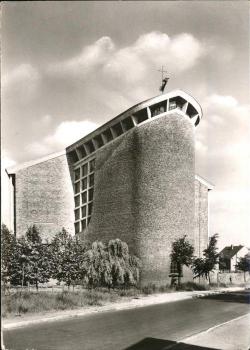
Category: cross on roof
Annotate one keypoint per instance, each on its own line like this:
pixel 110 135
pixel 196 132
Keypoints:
pixel 162 71
pixel 164 80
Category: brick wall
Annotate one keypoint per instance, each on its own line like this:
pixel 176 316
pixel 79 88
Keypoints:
pixel 44 197
pixel 230 277
pixel 144 192
pixel 201 217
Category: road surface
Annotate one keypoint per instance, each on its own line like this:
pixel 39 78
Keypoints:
pixel 155 327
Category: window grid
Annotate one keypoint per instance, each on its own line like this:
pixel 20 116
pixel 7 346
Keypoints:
pixel 83 194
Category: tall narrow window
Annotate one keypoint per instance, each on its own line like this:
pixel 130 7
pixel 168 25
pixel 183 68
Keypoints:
pixel 84 194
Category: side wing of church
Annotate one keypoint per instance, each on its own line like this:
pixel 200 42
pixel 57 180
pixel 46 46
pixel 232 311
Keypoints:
pixel 133 178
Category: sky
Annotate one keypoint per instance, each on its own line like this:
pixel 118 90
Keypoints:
pixel 68 67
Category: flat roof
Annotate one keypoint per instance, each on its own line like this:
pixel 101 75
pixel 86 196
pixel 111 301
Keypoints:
pixel 15 168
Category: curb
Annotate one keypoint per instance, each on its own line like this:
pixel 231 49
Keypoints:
pixel 132 304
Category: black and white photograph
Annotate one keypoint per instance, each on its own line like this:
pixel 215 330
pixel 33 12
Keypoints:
pixel 125 175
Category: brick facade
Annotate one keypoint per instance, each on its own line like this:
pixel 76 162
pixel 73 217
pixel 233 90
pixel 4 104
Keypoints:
pixel 201 218
pixel 144 192
pixel 44 197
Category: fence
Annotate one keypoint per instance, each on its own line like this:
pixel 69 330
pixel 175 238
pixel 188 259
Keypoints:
pixel 42 288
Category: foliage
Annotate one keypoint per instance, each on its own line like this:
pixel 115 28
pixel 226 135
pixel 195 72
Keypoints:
pixel 35 259
pixel 203 266
pixel 124 267
pixel 224 263
pixel 7 256
pixel 182 254
pixel 96 266
pixel 111 265
pixel 243 265
pixel 28 260
pixel 66 258
pixel 190 286
pixel 25 259
pixel 12 255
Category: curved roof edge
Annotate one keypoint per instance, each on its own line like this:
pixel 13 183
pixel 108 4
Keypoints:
pixel 173 93
pixel 137 108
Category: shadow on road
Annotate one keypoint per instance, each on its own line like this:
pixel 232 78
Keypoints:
pixel 233 297
pixel 161 344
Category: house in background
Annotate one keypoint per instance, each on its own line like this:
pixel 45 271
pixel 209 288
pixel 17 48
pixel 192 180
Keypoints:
pixel 230 255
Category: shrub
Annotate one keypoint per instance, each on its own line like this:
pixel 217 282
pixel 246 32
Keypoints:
pixel 190 286
pixel 111 266
pixel 149 289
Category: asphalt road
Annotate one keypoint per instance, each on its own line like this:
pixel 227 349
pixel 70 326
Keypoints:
pixel 154 327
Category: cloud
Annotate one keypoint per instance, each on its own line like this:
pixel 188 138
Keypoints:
pixel 220 101
pixel 152 50
pixel 225 130
pixel 101 81
pixel 200 146
pixel 132 62
pixel 46 119
pixel 21 82
pixel 70 131
pixel 223 154
pixel 6 160
pixel 22 72
pixel 65 134
pixel 230 215
pixel 90 57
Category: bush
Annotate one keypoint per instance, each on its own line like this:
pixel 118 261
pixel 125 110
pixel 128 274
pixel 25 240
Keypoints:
pixel 165 288
pixel 131 292
pixel 149 289
pixel 190 286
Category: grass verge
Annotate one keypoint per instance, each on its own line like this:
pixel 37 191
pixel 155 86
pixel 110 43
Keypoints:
pixel 34 302
pixel 19 303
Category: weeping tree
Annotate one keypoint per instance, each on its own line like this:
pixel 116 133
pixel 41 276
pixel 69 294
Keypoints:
pixel 97 270
pixel 110 265
pixel 124 267
pixel 182 254
pixel 202 267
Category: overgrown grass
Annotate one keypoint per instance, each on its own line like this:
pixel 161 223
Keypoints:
pixel 33 302
pixel 19 303
pixel 220 285
pixel 152 289
pixel 191 286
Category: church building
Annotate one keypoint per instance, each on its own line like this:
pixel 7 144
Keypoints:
pixel 133 178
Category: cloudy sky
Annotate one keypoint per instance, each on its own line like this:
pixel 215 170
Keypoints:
pixel 68 67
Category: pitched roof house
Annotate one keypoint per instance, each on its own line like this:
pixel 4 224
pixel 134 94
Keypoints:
pixel 230 255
